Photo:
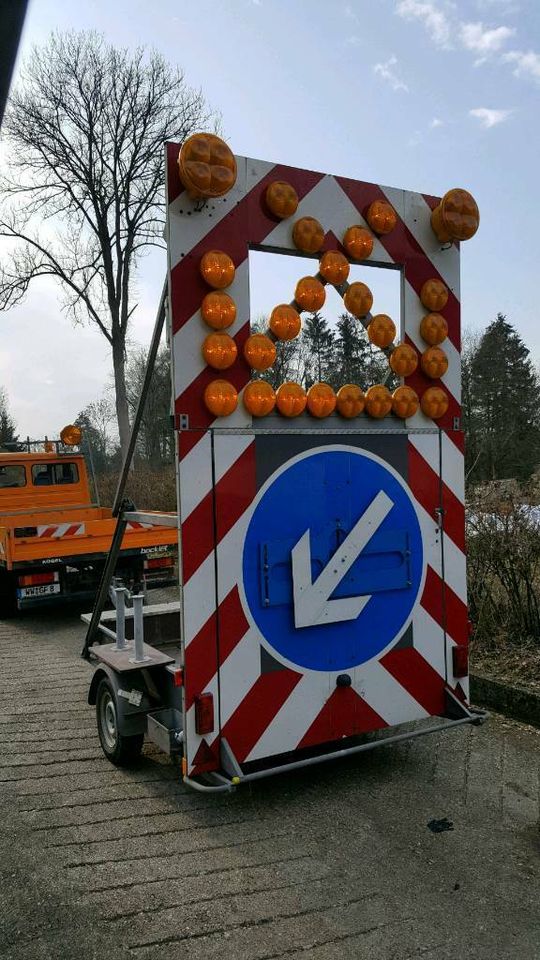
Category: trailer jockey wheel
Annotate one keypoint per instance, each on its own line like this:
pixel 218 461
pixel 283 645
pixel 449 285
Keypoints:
pixel 118 749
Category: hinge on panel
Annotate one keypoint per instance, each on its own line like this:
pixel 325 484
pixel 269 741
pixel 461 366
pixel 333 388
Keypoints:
pixel 439 516
pixel 179 421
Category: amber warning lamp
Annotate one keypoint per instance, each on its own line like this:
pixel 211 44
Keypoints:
pixel 259 398
pixel 221 398
pixel 321 400
pixel 285 322
pixel 281 199
pixel 71 435
pixel 217 269
pixel 291 399
pixel 219 350
pixel 456 217
pixel 206 166
pixel 310 294
pixel 358 299
pixel 308 235
pixel 378 401
pixel 350 400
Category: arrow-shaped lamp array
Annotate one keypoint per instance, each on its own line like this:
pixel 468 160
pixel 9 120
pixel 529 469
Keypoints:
pixel 456 217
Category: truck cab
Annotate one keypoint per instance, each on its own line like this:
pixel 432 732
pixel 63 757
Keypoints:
pixel 54 539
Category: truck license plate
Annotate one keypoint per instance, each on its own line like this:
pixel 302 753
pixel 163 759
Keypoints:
pixel 38 591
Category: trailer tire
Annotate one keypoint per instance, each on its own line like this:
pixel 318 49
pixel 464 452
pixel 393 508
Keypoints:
pixel 8 595
pixel 119 749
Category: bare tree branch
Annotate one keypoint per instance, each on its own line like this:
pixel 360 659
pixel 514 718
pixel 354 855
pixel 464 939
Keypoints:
pixel 86 128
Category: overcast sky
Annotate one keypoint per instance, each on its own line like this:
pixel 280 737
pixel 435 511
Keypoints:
pixel 410 93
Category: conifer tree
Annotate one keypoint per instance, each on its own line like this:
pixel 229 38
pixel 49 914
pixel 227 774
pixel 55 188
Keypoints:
pixel 8 437
pixel 502 406
pixel 318 340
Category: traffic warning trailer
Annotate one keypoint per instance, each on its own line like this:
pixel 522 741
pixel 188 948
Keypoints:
pixel 321 534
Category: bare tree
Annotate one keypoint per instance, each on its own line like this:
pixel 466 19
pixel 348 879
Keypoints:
pixel 84 197
pixel 155 435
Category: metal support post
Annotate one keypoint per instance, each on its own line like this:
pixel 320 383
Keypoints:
pixel 120 604
pixel 103 589
pixel 138 629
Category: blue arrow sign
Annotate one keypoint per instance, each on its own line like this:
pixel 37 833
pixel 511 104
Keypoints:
pixel 333 558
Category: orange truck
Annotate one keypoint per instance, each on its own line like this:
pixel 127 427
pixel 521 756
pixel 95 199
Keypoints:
pixel 54 541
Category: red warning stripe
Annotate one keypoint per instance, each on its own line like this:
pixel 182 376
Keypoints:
pixel 344 714
pixel 208 651
pixel 415 674
pixel 258 708
pixel 48 531
pixel 448 611
pixel 174 185
pixel 233 494
pixel 405 249
pixel 427 488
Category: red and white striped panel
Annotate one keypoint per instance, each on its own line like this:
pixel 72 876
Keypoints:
pixel 59 530
pixel 265 713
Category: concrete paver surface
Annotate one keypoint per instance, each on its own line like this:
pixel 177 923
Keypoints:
pixel 336 861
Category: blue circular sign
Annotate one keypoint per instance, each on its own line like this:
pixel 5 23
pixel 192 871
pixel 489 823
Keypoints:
pixel 333 558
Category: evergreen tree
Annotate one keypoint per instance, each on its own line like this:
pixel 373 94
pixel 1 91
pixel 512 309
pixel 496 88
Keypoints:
pixel 502 401
pixel 355 359
pixel 318 340
pixel 8 437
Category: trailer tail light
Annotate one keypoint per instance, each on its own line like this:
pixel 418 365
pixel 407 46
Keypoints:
pixel 178 677
pixel 37 579
pixel 204 713
pixel 157 563
pixel 460 661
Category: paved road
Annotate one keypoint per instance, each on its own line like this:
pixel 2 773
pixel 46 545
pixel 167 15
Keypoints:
pixel 333 862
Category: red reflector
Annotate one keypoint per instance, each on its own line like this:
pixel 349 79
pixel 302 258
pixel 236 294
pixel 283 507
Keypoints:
pixel 33 579
pixel 178 678
pixel 204 713
pixel 460 661
pixel 157 562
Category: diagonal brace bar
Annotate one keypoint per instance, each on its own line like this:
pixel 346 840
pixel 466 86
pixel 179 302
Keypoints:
pixel 120 503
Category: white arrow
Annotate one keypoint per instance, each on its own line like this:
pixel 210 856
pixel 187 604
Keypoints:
pixel 312 603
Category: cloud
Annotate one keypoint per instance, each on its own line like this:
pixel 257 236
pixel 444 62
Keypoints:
pixel 489 118
pixel 436 122
pixel 526 63
pixel 443 26
pixel 434 19
pixel 480 39
pixel 505 7
pixel 386 71
pixel 351 14
pixel 353 40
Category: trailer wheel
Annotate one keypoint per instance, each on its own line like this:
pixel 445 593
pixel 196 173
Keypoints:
pixel 118 749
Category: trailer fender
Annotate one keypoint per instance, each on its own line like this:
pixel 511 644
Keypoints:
pixel 133 702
